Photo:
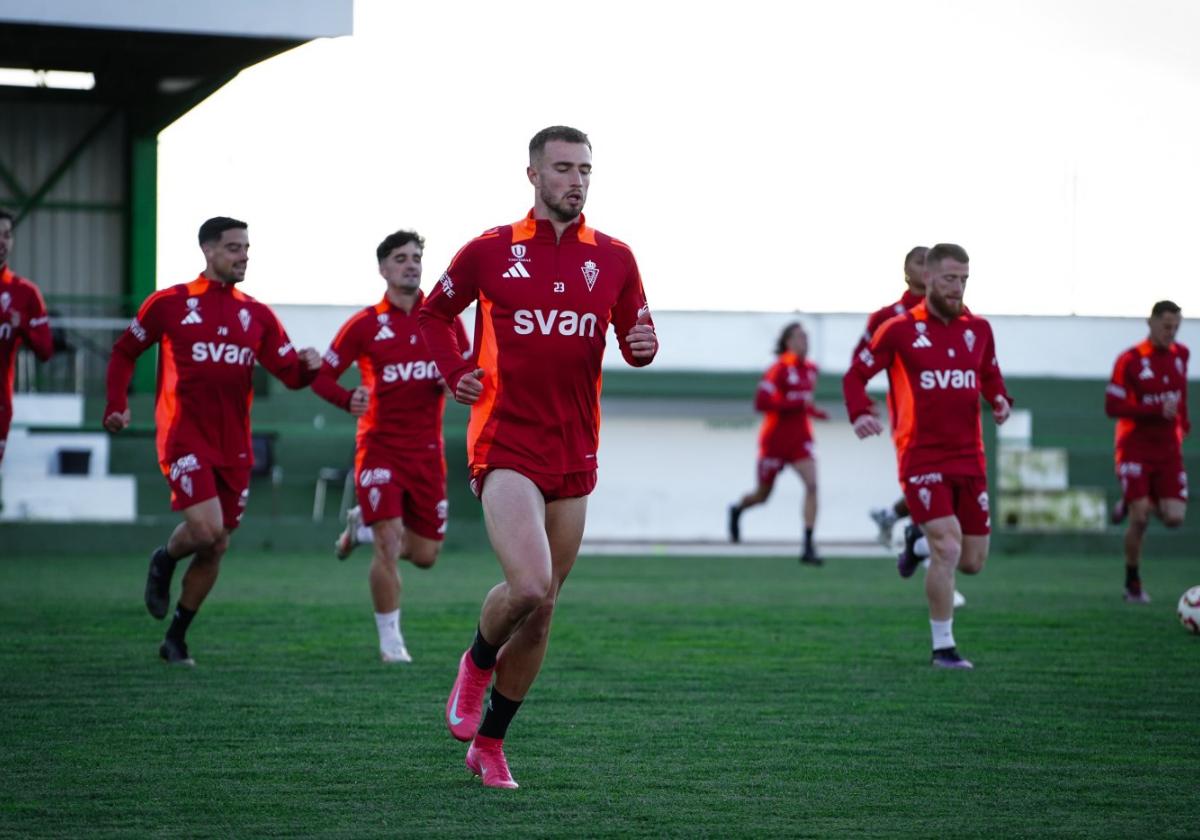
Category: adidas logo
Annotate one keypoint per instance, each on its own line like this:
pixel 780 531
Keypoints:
pixel 385 332
pixel 517 270
pixel 922 341
pixel 193 317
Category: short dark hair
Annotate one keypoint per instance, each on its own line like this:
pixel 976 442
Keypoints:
pixel 781 342
pixel 946 251
pixel 4 214
pixel 398 240
pixel 1164 306
pixel 555 132
pixel 920 251
pixel 212 229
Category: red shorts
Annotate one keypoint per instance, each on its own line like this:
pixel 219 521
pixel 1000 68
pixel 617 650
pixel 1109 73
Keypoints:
pixel 934 495
pixel 552 487
pixel 405 486
pixel 192 481
pixel 770 466
pixel 1155 480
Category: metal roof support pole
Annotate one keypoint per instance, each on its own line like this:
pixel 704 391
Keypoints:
pixel 143 235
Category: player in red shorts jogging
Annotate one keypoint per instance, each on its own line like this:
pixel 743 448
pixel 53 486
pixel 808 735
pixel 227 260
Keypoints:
pixel 547 287
pixel 785 396
pixel 941 359
pixel 23 318
pixel 400 462
pixel 209 334
pixel 1148 397
pixel 914 293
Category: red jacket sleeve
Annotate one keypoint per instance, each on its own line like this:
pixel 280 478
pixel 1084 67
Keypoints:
pixel 454 292
pixel 1119 398
pixel 143 331
pixel 629 307
pixel 991 380
pixel 35 327
pixel 876 357
pixel 343 351
pixel 1185 424
pixel 277 355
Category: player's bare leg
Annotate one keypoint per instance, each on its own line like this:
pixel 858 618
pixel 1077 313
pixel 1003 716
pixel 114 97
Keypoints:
pixel 388 543
pixel 521 658
pixel 945 538
pixel 755 497
pixel 974 554
pixel 807 468
pixel 1139 511
pixel 514 512
pixel 201 534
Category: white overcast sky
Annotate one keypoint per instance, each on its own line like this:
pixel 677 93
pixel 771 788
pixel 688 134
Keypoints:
pixel 757 156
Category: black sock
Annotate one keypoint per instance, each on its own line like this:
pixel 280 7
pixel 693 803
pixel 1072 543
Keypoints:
pixel 808 548
pixel 498 716
pixel 483 652
pixel 180 623
pixel 1132 579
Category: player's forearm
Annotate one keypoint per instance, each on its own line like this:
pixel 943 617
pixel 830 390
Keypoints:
pixel 326 387
pixel 39 338
pixel 437 329
pixel 296 376
pixel 854 393
pixel 120 374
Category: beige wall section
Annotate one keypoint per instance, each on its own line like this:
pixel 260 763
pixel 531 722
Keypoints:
pixel 673 478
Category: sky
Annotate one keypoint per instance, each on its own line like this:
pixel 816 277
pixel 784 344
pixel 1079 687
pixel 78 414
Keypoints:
pixel 765 156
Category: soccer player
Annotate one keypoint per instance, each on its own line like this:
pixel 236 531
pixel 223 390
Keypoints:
pixel 785 396
pixel 941 359
pixel 23 318
pixel 400 463
pixel 209 335
pixel 547 286
pixel 914 293
pixel 1148 397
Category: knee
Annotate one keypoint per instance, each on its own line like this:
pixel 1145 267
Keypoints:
pixel 537 626
pixel 209 536
pixel 1172 519
pixel 946 552
pixel 971 563
pixel 424 556
pixel 527 595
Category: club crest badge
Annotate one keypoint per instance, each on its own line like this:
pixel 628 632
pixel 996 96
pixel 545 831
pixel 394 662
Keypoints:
pixel 590 273
pixel 926 496
pixel 244 319
pixel 5 300
pixel 983 501
pixel 382 317
pixel 185 483
pixel 969 338
pixel 518 252
pixel 373 496
pixel 920 327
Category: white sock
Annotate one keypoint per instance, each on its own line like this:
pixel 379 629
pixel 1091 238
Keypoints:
pixel 943 633
pixel 388 625
pixel 921 547
pixel 364 534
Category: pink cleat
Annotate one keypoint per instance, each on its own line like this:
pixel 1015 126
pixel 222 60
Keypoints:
pixel 485 758
pixel 464 709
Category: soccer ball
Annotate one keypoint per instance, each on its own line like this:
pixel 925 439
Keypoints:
pixel 1189 609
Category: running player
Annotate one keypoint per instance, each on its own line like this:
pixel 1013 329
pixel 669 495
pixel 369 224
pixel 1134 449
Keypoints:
pixel 941 360
pixel 548 286
pixel 914 293
pixel 23 318
pixel 400 463
pixel 785 396
pixel 209 334
pixel 1148 397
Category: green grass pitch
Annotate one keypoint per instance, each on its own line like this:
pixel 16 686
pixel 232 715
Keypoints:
pixel 680 697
